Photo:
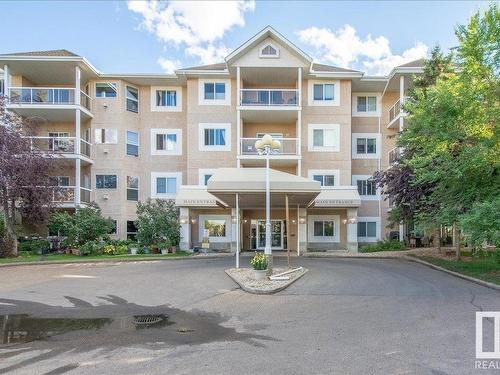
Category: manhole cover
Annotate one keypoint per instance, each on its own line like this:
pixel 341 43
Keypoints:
pixel 185 330
pixel 147 320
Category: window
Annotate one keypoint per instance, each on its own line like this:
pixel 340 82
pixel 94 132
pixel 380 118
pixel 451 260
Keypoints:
pixel 60 181
pixel 215 91
pixel 325 180
pixel 215 227
pixel 132 188
pixel 206 178
pixel 2 87
pixel 324 229
pixel 132 99
pixel 107 136
pixel 166 142
pixel 324 91
pixel 367 229
pixel 105 90
pixel 367 187
pixel 131 230
pixel 215 137
pixel 114 230
pixel 132 143
pixel 324 137
pixel 269 51
pixel 165 184
pixel 366 104
pixel 366 146
pixel 166 98
pixel 61 142
pixel 105 181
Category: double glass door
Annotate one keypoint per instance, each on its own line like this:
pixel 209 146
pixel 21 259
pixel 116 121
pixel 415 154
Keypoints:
pixel 277 232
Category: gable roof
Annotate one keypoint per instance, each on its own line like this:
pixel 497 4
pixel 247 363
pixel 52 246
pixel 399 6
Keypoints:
pixel 413 64
pixel 330 68
pixel 53 52
pixel 217 66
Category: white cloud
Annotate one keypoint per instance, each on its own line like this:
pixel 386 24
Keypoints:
pixel 169 66
pixel 346 48
pixel 195 25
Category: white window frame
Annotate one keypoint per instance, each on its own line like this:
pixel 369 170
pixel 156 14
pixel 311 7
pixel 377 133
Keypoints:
pixel 201 136
pixel 261 55
pixel 362 177
pixel 155 175
pixel 201 92
pixel 336 228
pixel 354 101
pixel 201 227
pixel 178 99
pixel 155 132
pixel 201 175
pixel 107 97
pixel 375 219
pixel 138 142
pixel 127 98
pixel 310 137
pixel 354 143
pixel 329 103
pixel 323 172
pixel 98 139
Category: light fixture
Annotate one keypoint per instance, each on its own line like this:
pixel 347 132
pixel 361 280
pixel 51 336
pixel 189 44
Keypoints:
pixel 344 221
pixel 193 221
pixel 353 220
pixel 302 220
pixel 245 221
pixel 183 220
pixel 293 221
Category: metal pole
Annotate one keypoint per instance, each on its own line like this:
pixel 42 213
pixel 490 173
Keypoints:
pixel 237 231
pixel 267 249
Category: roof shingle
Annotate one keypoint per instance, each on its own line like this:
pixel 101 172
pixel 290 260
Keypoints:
pixel 54 52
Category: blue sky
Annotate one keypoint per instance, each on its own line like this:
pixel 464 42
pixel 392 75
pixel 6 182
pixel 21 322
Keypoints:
pixel 133 37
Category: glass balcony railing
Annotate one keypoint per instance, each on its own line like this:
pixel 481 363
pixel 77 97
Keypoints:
pixel 47 96
pixel 269 97
pixel 66 195
pixel 397 109
pixel 395 155
pixel 59 145
pixel 289 146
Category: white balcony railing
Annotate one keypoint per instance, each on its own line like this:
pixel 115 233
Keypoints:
pixel 59 145
pixel 395 155
pixel 397 109
pixel 66 195
pixel 47 96
pixel 269 97
pixel 289 146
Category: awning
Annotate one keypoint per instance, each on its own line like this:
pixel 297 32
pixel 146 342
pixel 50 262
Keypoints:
pixel 250 184
pixel 195 196
pixel 342 196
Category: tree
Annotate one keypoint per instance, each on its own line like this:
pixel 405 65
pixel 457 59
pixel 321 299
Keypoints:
pixel 86 224
pixel 157 221
pixel 25 176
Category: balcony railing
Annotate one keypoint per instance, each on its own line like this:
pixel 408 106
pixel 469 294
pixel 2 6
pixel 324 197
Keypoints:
pixel 59 145
pixel 395 155
pixel 47 96
pixel 66 194
pixel 269 97
pixel 397 109
pixel 289 146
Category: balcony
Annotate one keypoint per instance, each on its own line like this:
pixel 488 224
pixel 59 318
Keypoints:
pixel 395 155
pixel 396 112
pixel 64 196
pixel 288 154
pixel 52 103
pixel 269 97
pixel 63 147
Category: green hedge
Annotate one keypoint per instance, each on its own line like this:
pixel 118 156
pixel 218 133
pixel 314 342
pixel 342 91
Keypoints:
pixel 388 245
pixel 34 246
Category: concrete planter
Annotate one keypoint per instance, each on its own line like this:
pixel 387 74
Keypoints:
pixel 259 274
pixel 133 250
pixel 164 251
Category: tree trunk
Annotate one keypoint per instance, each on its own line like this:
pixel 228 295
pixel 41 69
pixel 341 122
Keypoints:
pixel 456 240
pixel 10 240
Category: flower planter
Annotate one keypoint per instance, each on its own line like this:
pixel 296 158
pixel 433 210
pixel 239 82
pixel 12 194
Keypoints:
pixel 164 251
pixel 259 274
pixel 133 250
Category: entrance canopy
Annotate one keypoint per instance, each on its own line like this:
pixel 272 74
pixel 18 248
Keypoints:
pixel 250 184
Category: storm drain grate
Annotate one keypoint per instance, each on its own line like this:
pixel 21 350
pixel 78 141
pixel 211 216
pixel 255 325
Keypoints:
pixel 148 319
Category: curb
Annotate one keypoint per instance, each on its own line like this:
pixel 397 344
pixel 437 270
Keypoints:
pixel 108 260
pixel 264 292
pixel 465 277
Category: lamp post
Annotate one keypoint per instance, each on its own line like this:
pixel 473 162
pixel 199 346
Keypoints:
pixel 266 146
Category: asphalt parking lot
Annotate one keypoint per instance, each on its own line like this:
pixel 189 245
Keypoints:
pixel 345 316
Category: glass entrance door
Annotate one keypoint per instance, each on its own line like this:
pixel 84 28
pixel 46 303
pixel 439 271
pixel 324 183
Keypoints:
pixel 276 234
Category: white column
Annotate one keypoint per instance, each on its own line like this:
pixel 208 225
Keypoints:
pixel 238 115
pixel 185 243
pixel 78 169
pixel 352 230
pixel 302 230
pixel 401 232
pixel 298 232
pixel 238 230
pixel 401 99
pixel 6 79
pixel 267 249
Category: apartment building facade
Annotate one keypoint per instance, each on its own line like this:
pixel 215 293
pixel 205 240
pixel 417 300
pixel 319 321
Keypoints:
pixel 190 136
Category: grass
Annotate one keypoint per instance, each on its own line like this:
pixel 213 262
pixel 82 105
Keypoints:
pixel 28 258
pixel 485 268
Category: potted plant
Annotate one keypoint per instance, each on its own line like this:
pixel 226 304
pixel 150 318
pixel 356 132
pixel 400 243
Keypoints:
pixel 259 264
pixel 164 246
pixel 133 247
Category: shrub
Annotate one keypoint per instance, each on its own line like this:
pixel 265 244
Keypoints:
pixel 91 248
pixel 387 245
pixel 115 249
pixel 157 220
pixel 259 261
pixel 34 246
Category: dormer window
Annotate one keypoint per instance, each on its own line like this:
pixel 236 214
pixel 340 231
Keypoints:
pixel 269 51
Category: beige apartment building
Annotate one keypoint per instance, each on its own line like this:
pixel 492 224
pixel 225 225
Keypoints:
pixel 190 136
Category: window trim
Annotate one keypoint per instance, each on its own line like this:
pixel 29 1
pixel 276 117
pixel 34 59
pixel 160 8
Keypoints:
pixel 155 175
pixel 106 174
pixel 201 92
pixel 331 172
pixel 127 98
pixel 362 177
pixel 127 188
pixel 354 100
pixel 201 175
pixel 178 99
pixel 156 131
pixel 105 143
pixel 310 137
pixel 354 144
pixel 201 227
pixel 106 97
pixel 201 136
pixel 329 103
pixel 336 228
pixel 377 229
